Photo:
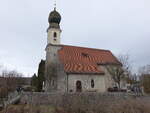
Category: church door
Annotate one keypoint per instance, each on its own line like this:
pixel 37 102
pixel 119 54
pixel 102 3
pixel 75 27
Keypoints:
pixel 78 86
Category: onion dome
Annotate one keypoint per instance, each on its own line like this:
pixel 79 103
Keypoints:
pixel 54 17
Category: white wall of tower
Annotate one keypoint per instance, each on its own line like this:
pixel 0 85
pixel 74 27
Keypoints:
pixel 51 39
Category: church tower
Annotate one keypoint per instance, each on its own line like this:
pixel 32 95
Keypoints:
pixel 52 58
pixel 54 30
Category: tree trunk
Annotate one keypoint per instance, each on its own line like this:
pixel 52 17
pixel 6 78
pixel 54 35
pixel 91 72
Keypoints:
pixel 119 86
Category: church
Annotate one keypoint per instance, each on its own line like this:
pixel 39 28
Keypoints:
pixel 72 68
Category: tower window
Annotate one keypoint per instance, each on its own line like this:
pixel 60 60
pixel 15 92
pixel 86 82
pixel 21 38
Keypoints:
pixel 92 83
pixel 55 34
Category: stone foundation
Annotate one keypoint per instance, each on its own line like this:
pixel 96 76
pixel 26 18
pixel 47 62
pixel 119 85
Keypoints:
pixel 58 99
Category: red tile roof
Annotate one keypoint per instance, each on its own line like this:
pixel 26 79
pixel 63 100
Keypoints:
pixel 85 60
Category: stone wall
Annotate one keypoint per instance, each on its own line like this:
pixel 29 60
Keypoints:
pixel 59 99
pixel 59 80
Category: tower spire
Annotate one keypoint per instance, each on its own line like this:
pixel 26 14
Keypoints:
pixel 54 30
pixel 54 4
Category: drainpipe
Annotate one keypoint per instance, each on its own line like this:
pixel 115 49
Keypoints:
pixel 67 83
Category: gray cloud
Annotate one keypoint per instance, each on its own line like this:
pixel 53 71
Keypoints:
pixel 120 26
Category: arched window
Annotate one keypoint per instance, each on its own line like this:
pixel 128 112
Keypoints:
pixel 92 83
pixel 78 86
pixel 55 34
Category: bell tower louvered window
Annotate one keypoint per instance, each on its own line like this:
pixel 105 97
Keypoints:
pixel 55 36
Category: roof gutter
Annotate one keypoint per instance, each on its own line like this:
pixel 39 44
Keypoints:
pixel 85 73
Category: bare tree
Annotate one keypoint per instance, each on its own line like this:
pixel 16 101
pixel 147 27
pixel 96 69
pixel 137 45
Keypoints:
pixel 10 80
pixel 124 59
pixel 127 67
pixel 117 73
pixel 144 70
pixel 144 73
pixel 122 71
pixel 1 66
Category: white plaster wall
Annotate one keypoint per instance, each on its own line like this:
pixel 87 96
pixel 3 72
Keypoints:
pixel 99 81
pixel 109 82
pixel 50 37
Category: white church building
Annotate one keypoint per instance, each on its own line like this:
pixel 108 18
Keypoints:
pixel 72 68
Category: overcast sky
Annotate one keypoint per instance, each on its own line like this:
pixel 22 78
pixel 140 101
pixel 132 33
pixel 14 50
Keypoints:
pixel 122 26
